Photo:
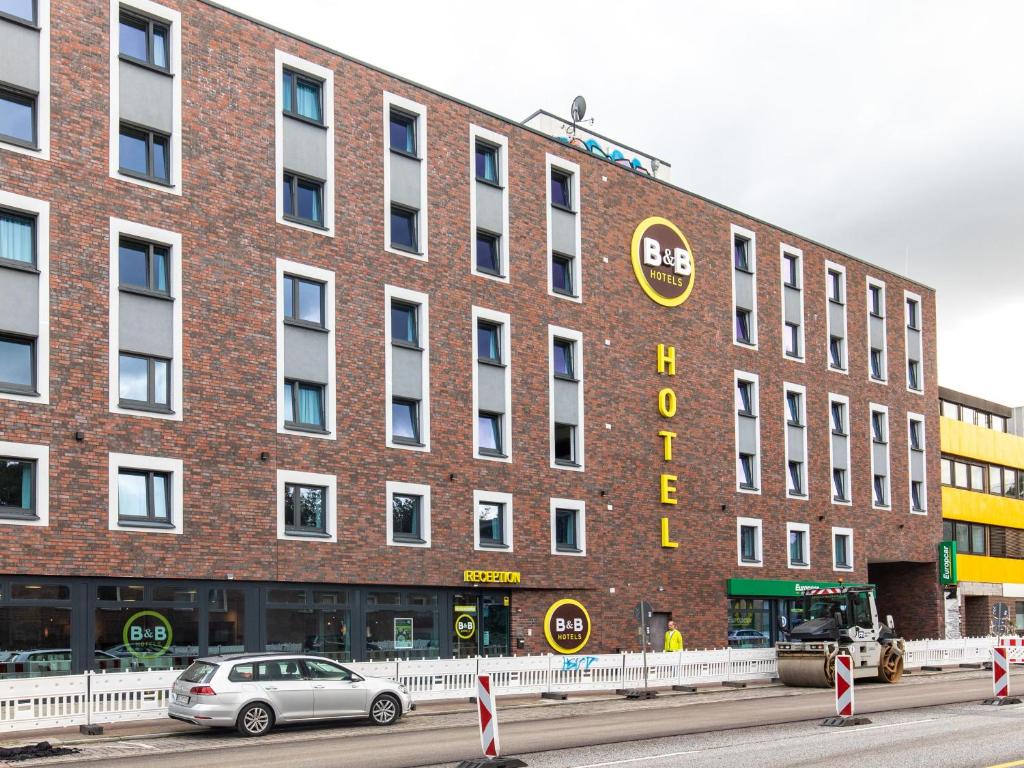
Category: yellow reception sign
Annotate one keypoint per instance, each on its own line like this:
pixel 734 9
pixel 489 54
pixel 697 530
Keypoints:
pixel 663 262
pixel 491 577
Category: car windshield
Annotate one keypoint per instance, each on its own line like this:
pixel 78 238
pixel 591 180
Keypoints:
pixel 198 672
pixel 824 608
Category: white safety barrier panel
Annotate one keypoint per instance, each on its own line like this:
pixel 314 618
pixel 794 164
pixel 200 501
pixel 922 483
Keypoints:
pixel 31 703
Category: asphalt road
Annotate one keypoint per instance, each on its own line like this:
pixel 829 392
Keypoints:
pixel 692 730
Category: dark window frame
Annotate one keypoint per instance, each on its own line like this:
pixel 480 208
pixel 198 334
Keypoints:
pixel 303 530
pixel 149 135
pixel 497 426
pixel 417 438
pixel 294 319
pixel 498 256
pixel 748 471
pixel 490 326
pixel 795 477
pixel 573 460
pixel 741 260
pixel 880 490
pixel 293 180
pixel 836 286
pixel 9 512
pixel 876 308
pixel 917 495
pixel 150 288
pixel 32 23
pixel 843 494
pixel 150 403
pixel 293 386
pixel 802 537
pixel 755 554
pixel 914 375
pixel 745 392
pixel 22 389
pixel 837 408
pixel 151 520
pixel 879 428
pixel 570 271
pixel 744 326
pixel 492 543
pixel 845 563
pixel 411 121
pixel 565 181
pixel 794 398
pixel 877 371
pixel 915 430
pixel 416 537
pixel 835 343
pixel 791 269
pixel 33 219
pixel 574 545
pixel 792 334
pixel 414 215
pixel 296 76
pixel 414 343
pixel 151 23
pixel 569 345
pixel 494 150
pixel 27 98
pixel 913 314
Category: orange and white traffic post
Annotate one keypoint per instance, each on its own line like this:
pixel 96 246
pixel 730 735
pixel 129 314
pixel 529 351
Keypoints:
pixel 488 717
pixel 844 694
pixel 1001 679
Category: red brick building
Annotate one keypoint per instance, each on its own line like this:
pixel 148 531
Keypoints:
pixel 298 354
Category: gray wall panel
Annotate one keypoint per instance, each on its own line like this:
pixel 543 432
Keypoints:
pixel 19 55
pixel 877 325
pixel 744 282
pixel 917 465
pixel 792 298
pixel 305 148
pixel 563 231
pixel 405 181
pixel 305 354
pixel 19 302
pixel 839 451
pixel 748 434
pixel 146 97
pixel 795 443
pixel 566 403
pixel 490 211
pixel 491 388
pixel 837 319
pixel 145 325
pixel 914 344
pixel 407 372
pixel 880 457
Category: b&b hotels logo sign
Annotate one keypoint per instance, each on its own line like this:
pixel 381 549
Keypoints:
pixel 662 261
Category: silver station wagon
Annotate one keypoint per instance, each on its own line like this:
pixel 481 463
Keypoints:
pixel 253 692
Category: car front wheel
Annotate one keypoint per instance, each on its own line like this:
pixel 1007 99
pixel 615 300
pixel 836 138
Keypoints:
pixel 255 720
pixel 385 710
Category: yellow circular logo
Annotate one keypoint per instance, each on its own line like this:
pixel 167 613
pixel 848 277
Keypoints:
pixel 465 626
pixel 663 262
pixel 567 626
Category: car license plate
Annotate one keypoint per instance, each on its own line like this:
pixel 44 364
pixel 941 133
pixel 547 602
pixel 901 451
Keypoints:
pixel 181 698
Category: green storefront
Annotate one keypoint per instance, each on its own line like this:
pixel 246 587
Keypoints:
pixel 761 611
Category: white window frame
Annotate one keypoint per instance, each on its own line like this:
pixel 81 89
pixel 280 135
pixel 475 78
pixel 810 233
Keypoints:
pixel 831 266
pixel 869 282
pixel 750 522
pixel 172 241
pixel 874 408
pixel 394 488
pixel 286 476
pixel 504 321
pixel 41 210
pixel 43 97
pixel 501 142
pixel 392 292
pixel 909 296
pixel 555 331
pixel 751 237
pixel 806 528
pixel 499 498
pixel 284 60
pixel 848 533
pixel 756 382
pixel 801 390
pixel 173 19
pixel 325 276
pixel 40 454
pixel 910 453
pixel 419 111
pixel 580 508
pixel 174 467
pixel 789 250
pixel 556 162
pixel 834 398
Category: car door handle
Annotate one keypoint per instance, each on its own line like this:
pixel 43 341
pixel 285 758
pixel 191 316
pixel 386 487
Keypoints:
pixel 270 687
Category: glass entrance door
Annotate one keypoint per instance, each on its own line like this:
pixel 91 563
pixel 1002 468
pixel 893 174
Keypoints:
pixel 465 626
pixel 480 625
pixel 494 634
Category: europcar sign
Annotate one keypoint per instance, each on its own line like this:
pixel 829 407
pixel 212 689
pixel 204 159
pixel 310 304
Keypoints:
pixel 662 261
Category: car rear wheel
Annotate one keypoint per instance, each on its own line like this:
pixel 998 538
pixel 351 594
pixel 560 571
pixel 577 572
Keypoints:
pixel 255 720
pixel 385 710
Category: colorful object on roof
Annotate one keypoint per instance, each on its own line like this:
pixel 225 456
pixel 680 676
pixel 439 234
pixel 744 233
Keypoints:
pixel 615 155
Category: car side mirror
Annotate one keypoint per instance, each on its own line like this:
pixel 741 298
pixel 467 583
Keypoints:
pixel 356 678
pixel 889 622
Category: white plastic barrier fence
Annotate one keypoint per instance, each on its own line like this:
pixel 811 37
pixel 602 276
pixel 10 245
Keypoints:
pixel 95 698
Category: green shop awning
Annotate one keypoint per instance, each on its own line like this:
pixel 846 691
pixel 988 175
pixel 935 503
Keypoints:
pixel 778 587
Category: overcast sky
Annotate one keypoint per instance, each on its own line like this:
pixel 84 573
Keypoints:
pixel 893 131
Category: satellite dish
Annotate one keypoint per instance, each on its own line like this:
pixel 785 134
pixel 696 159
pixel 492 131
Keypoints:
pixel 579 109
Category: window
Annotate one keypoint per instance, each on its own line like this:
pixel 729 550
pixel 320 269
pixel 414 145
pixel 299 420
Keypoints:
pixel 798 535
pixel 746 471
pixel 999 425
pixel 1013 483
pixel 488 252
pixel 565 444
pixel 303 199
pixel 794 409
pixel 913 314
pixel 405 421
pixel 977 478
pixel 995 480
pixel 839 485
pixel 749 542
pixel 303 405
pixel 835 286
pixel 743 326
pixel 792 340
pixel 487 162
pixel 917 495
pixel 17 364
pixel 876 364
pixel 491 524
pixel 402 126
pixel 950 410
pixel 406 517
pixel 18 117
pixel 947 471
pixel 145 154
pixel 403 229
pixel 144 382
pixel 741 253
pixel 842 549
pixel 796 478
pixel 561 274
pixel 960 475
pixel 564 364
pixel 144 265
pixel 916 443
pixel 17 238
pixel 791 270
pixel 881 493
pixel 488 342
pixel 838 411
pixel 489 433
pixel 875 300
pixel 305 509
pixel 303 301
pixel 878 427
pixel 835 353
pixel 970 538
pixel 568 527
pixel 25 10
pixel 303 96
pixel 747 432
pixel 404 326
pixel 745 397
pixel 17 488
pixel 144 40
pixel 561 189
pixel 913 374
pixel 144 497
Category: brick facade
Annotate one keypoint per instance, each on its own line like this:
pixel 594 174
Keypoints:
pixel 230 243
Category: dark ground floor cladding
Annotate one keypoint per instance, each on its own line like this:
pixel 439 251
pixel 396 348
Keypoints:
pixel 53 625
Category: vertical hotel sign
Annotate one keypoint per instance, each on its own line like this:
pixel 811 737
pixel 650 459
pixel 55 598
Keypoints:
pixel 663 265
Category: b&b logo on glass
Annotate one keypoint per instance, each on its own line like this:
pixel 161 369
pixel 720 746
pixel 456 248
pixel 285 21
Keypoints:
pixel 662 261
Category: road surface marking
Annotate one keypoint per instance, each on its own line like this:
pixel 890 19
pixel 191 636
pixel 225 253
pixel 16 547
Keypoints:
pixel 1008 765
pixel 649 757
pixel 856 729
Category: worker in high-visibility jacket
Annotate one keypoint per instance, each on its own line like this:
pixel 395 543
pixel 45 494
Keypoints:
pixel 673 638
